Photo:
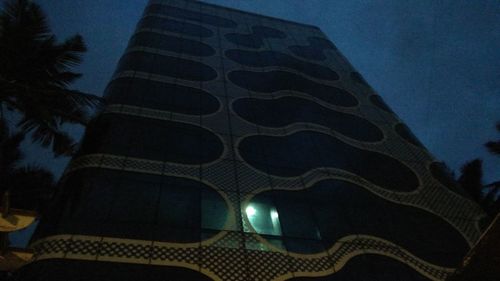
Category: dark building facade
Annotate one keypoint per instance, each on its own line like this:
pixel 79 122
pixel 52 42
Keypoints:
pixel 236 146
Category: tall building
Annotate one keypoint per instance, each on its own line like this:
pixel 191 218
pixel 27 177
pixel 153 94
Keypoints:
pixel 236 146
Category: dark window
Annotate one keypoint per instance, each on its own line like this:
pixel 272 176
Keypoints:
pixel 329 210
pixel 272 58
pixel 162 65
pixel 296 216
pixel 152 139
pixel 213 210
pixel 171 43
pixel 161 95
pixel 320 150
pixel 304 246
pixel 284 111
pixel 180 205
pixel 134 201
pixel 273 81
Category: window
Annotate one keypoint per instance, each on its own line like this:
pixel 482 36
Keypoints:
pixel 213 210
pixel 263 216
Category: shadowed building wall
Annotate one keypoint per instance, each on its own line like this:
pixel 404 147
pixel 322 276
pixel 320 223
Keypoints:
pixel 241 147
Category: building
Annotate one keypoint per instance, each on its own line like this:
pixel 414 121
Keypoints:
pixel 241 147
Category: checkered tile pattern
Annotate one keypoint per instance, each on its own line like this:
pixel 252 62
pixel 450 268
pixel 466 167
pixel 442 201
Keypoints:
pixel 84 247
pixel 149 113
pixel 222 174
pixel 142 165
pixel 112 161
pixel 311 264
pixel 50 246
pixel 227 263
pixel 125 250
pixel 181 170
pixel 267 265
pixel 87 161
pixel 227 257
pixel 232 239
pixel 340 254
pixel 166 253
pixel 250 180
pixel 383 247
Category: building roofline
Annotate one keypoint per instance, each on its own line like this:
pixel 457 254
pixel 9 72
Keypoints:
pixel 255 14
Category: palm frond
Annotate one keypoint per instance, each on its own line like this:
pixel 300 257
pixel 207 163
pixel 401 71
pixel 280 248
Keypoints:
pixel 71 51
pixel 10 151
pixel 4 130
pixel 7 92
pixel 63 144
pixel 11 148
pixel 84 99
pixel 35 74
pixel 49 135
pixel 74 98
pixel 72 106
pixel 31 187
pixel 24 15
pixel 493 147
pixel 64 79
pixel 471 178
pixel 53 103
pixel 42 135
pixel 57 60
pixel 33 177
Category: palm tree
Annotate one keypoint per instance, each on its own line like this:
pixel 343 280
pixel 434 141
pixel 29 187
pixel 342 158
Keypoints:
pixel 492 201
pixel 471 178
pixel 35 72
pixel 22 187
pixel 494 146
pixel 25 188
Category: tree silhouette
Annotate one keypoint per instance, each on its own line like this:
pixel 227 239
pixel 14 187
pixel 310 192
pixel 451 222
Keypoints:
pixel 492 200
pixel 471 178
pixel 35 72
pixel 494 146
pixel 29 187
pixel 482 264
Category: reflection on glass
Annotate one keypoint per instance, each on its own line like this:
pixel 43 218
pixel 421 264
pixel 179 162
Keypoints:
pixel 213 210
pixel 264 218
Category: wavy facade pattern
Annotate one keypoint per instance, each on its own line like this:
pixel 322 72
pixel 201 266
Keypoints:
pixel 236 146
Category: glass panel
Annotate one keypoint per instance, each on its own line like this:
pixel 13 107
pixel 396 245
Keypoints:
pixel 179 205
pixel 263 216
pixel 296 216
pixel 213 210
pixel 304 246
pixel 134 201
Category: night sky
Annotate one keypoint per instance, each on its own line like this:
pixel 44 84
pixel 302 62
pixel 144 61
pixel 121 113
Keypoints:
pixel 436 63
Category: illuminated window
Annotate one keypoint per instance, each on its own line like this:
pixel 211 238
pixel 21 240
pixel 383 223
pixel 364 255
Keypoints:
pixel 263 217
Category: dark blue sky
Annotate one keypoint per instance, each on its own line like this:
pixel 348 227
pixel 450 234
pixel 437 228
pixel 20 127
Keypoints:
pixel 436 63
